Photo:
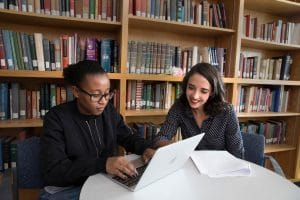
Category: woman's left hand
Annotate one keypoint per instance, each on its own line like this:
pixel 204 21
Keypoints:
pixel 147 155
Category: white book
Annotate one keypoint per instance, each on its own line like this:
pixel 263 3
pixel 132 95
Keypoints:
pixel 38 39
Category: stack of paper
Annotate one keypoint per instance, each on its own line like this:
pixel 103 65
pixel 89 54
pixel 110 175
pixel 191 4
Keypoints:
pixel 220 164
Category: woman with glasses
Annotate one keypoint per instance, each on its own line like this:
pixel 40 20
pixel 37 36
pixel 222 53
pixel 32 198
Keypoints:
pixel 81 137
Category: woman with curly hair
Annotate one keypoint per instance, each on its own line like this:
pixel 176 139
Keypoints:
pixel 202 108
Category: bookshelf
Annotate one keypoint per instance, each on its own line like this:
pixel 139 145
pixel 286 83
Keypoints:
pixel 131 27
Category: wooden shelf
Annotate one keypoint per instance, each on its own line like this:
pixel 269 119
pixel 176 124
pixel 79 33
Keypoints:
pixel 267 82
pixel 267 114
pixel 275 7
pixel 177 27
pixel 267 45
pixel 272 148
pixel 43 74
pixel 20 123
pixel 10 16
pixel 228 80
pixel 151 112
pixel 153 77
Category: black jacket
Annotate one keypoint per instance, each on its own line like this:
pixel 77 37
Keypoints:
pixel 68 154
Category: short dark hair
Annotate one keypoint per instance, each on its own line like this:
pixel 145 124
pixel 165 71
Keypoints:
pixel 75 73
pixel 216 102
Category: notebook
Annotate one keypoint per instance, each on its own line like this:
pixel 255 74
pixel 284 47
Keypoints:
pixel 165 161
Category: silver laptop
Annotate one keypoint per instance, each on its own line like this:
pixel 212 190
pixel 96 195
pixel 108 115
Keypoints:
pixel 165 161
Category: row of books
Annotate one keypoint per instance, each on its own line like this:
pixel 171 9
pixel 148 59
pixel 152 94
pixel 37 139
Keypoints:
pixel 254 67
pixel 186 11
pixel 276 31
pixel 18 103
pixel 273 130
pixel 149 130
pixel 88 9
pixel 262 99
pixel 159 58
pixel 9 149
pixel 22 51
pixel 8 153
pixel 145 95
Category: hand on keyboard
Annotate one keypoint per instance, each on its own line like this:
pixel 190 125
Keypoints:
pixel 120 167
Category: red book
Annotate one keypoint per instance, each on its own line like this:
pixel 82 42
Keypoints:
pixel 28 105
pixel 47 6
pixel 64 50
pixel 72 8
pixel 109 10
pixel 99 9
pixel 2 53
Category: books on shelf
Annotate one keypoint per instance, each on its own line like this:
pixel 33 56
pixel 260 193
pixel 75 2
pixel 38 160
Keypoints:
pixel 205 13
pixel 253 66
pixel 262 99
pixel 93 9
pixel 149 130
pixel 273 130
pixel 159 58
pixel 22 51
pixel 19 103
pixel 149 95
pixel 280 31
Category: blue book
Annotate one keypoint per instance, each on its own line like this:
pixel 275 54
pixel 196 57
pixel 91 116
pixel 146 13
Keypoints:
pixel 152 11
pixel 4 103
pixel 8 49
pixel 2 153
pixel 105 55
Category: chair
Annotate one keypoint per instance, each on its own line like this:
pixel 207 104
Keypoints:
pixel 28 174
pixel 254 146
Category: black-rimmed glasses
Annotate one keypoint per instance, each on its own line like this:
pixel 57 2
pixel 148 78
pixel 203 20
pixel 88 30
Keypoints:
pixel 98 97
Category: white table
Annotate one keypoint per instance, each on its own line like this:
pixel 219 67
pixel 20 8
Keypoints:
pixel 188 184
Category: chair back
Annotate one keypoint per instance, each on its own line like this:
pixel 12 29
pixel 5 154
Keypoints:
pixel 254 146
pixel 28 164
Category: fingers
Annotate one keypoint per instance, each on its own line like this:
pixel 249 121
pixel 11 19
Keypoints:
pixel 120 166
pixel 148 154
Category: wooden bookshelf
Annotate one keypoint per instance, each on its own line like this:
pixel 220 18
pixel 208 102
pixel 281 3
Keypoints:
pixel 183 34
pixel 266 11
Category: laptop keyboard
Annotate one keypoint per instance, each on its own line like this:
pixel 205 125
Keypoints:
pixel 131 181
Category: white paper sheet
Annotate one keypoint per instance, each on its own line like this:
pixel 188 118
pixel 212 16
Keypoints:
pixel 220 164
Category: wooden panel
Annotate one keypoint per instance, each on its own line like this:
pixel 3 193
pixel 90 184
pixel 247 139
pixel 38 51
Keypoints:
pixel 286 161
pixel 29 194
pixel 295 67
pixel 21 123
pixel 11 16
pixel 267 114
pixel 153 119
pixel 266 82
pixel 151 112
pixel 267 45
pixel 276 7
pixel 176 27
pixel 43 74
pixel 272 148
